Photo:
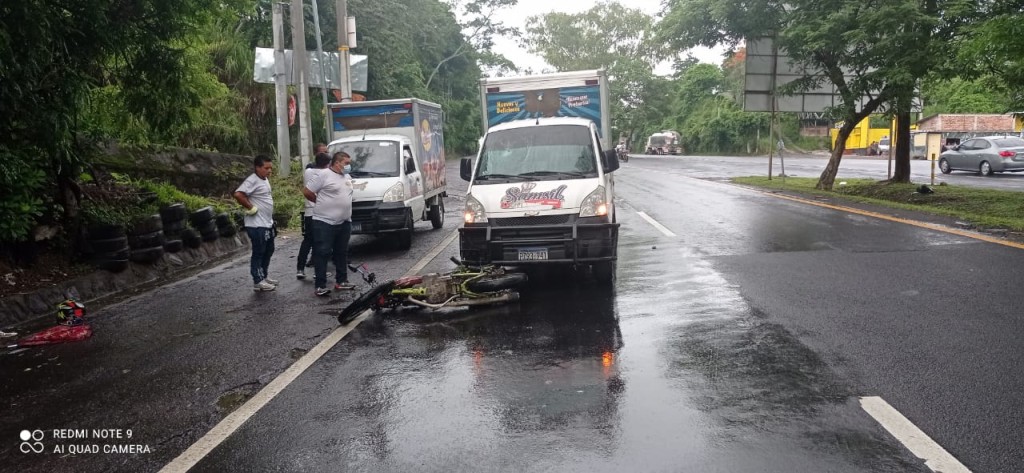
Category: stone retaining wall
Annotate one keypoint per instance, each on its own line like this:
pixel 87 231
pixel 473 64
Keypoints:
pixel 193 171
pixel 102 284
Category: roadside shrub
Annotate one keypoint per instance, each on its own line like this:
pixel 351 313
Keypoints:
pixel 288 198
pixel 168 194
pixel 22 186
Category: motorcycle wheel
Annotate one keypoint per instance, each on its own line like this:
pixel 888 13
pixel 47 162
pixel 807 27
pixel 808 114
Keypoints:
pixel 366 300
pixel 497 283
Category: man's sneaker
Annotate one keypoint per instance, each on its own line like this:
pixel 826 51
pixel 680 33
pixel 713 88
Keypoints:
pixel 263 286
pixel 300 275
pixel 322 291
pixel 344 286
pixel 271 281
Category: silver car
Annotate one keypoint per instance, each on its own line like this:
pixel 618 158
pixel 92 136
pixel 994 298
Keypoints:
pixel 985 155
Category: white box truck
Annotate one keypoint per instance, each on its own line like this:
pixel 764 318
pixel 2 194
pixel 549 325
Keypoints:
pixel 397 150
pixel 541 190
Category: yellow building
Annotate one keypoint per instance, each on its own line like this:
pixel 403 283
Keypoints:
pixel 862 136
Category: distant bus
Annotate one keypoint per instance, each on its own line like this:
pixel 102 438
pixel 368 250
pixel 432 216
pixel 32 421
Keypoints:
pixel 665 142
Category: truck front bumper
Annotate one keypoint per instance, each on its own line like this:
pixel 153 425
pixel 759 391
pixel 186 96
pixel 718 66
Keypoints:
pixel 517 242
pixel 375 217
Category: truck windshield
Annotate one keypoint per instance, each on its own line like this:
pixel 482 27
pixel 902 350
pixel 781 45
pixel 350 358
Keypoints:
pixel 537 153
pixel 371 158
pixel 658 141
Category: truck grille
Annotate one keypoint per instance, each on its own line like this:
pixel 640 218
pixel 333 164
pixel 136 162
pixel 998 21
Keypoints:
pixel 538 220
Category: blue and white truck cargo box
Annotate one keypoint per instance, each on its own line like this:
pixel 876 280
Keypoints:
pixel 397 150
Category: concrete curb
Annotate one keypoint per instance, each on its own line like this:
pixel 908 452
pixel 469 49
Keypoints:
pixel 104 284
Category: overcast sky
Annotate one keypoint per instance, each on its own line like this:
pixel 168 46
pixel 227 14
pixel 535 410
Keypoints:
pixel 516 17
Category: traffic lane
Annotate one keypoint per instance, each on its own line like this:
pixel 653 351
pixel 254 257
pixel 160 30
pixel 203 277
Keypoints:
pixel 909 314
pixel 671 371
pixel 171 362
pixel 718 167
pixel 715 219
pixel 943 350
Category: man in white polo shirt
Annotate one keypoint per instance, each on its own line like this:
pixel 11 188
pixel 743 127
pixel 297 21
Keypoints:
pixel 255 196
pixel 331 189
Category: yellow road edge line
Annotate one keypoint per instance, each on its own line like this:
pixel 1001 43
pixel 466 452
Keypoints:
pixel 916 223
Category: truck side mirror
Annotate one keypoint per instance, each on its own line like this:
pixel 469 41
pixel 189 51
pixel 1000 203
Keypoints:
pixel 410 165
pixel 610 160
pixel 466 169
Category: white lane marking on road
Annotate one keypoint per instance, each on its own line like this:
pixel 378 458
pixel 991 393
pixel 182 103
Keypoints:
pixel 919 443
pixel 660 227
pixel 199 450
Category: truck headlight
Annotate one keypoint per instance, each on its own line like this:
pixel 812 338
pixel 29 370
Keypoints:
pixel 396 193
pixel 594 205
pixel 474 211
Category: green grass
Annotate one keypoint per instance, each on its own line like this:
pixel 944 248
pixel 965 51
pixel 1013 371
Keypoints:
pixel 983 208
pixel 168 194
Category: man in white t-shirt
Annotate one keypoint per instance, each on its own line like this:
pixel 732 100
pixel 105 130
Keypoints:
pixel 331 189
pixel 255 196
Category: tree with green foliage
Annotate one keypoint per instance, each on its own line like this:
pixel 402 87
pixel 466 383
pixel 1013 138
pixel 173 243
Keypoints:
pixel 983 95
pixel 53 53
pixel 480 26
pixel 860 49
pixel 612 37
pixel 992 44
pixel 707 115
pixel 179 73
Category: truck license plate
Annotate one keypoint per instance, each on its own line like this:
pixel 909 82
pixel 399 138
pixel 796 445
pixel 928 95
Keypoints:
pixel 533 254
pixel 357 227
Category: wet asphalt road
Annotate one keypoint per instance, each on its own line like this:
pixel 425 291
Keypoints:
pixel 742 343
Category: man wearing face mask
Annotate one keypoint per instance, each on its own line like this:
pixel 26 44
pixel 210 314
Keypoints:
pixel 331 190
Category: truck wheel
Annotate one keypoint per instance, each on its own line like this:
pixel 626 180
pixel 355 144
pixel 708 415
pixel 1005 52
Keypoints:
pixel 604 272
pixel 405 236
pixel 437 214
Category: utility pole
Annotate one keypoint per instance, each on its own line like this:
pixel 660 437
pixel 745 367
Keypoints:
pixel 323 72
pixel 771 121
pixel 281 91
pixel 346 82
pixel 299 66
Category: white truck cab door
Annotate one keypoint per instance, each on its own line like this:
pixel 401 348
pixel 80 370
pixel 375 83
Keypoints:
pixel 607 177
pixel 413 182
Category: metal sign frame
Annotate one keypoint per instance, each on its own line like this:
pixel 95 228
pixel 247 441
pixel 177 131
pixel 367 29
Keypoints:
pixel 263 70
pixel 768 68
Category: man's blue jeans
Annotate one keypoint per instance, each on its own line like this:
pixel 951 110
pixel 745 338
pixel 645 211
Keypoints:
pixel 329 238
pixel 262 241
pixel 307 243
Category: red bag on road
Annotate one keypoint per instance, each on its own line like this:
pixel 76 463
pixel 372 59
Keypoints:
pixel 58 334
